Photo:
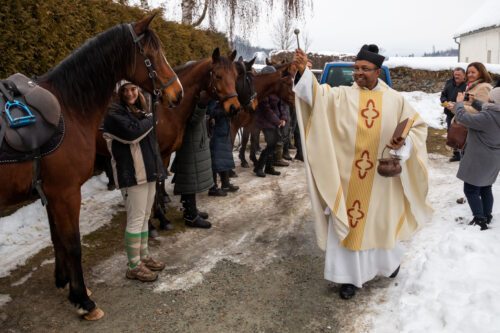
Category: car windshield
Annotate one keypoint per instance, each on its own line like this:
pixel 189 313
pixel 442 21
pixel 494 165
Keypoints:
pixel 342 76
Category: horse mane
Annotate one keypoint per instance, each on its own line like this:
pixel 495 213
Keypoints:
pixel 223 61
pixel 85 80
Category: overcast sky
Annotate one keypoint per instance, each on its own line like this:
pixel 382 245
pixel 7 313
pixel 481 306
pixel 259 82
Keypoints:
pixel 400 27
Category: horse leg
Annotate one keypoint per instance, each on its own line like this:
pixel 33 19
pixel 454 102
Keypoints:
pixel 64 209
pixel 61 273
pixel 244 141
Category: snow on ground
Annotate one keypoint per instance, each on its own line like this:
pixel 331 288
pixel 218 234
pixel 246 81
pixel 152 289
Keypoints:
pixel 26 232
pixel 449 277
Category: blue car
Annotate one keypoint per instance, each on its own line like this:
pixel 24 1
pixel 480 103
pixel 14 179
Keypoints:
pixel 340 74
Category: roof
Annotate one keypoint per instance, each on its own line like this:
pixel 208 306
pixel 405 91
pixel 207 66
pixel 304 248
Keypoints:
pixel 487 16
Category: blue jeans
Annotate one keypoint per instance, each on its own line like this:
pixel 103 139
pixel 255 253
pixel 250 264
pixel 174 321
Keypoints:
pixel 480 199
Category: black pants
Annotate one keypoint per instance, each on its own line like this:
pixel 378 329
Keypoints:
pixel 480 199
pixel 266 158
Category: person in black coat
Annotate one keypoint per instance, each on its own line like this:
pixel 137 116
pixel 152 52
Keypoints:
pixel 221 149
pixel 449 94
pixel 136 163
pixel 192 166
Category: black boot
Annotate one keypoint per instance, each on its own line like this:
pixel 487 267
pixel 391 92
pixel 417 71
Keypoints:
pixel 270 169
pixel 259 166
pixel 226 185
pixel 191 217
pixel 456 157
pixel 480 221
pixel 347 291
pixel 232 174
pixel 153 233
pixel 489 217
pixel 215 191
pixel 203 215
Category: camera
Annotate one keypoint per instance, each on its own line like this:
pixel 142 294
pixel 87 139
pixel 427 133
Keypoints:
pixel 466 97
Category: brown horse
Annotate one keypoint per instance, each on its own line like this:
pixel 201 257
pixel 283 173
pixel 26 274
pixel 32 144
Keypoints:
pixel 216 75
pixel 83 83
pixel 279 83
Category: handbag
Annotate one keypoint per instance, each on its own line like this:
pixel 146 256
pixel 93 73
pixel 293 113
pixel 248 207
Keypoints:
pixel 457 135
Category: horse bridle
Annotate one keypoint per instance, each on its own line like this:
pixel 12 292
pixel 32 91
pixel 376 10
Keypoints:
pixel 149 65
pixel 247 82
pixel 213 87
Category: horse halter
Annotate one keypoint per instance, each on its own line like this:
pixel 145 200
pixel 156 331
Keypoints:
pixel 213 88
pixel 149 65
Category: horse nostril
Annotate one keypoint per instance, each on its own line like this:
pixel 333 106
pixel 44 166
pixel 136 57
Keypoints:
pixel 179 96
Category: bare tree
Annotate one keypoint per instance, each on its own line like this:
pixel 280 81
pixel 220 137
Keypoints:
pixel 306 38
pixel 282 34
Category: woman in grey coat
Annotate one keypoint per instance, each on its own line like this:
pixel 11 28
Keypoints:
pixel 481 161
pixel 192 166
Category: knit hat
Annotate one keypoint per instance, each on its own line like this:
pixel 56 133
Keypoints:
pixel 495 95
pixel 268 69
pixel 370 53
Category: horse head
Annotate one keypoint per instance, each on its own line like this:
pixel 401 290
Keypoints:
pixel 285 88
pixel 244 84
pixel 151 69
pixel 223 76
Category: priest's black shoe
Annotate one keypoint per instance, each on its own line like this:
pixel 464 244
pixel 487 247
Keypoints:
pixel 395 273
pixel 347 291
pixel 197 222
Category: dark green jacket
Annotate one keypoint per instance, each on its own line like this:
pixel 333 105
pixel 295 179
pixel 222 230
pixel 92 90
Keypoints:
pixel 192 166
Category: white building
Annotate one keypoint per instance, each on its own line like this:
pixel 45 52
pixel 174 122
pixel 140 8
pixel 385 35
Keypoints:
pixel 479 36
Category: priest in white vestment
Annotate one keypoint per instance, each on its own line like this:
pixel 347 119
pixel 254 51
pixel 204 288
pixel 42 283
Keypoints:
pixel 360 216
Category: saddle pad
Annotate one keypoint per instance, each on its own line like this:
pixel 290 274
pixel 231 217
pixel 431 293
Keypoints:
pixel 10 155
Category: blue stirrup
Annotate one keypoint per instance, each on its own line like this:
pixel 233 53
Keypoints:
pixel 20 121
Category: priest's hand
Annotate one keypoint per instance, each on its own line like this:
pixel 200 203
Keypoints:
pixel 300 60
pixel 396 143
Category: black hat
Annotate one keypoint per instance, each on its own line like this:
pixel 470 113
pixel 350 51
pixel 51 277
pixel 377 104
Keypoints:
pixel 370 53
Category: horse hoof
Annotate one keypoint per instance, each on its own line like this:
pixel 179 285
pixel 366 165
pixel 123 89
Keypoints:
pixel 94 315
pixel 89 293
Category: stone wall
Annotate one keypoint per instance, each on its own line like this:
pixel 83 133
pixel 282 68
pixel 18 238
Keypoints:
pixel 403 78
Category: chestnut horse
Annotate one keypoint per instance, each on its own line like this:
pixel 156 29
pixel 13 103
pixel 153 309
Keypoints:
pixel 83 83
pixel 216 75
pixel 279 83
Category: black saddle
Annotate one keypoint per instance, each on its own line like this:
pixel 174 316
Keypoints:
pixel 30 114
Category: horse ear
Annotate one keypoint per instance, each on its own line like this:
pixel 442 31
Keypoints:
pixel 141 26
pixel 232 56
pixel 216 55
pixel 249 65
